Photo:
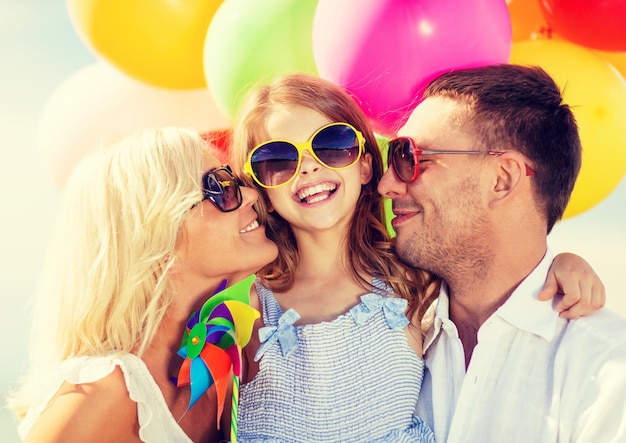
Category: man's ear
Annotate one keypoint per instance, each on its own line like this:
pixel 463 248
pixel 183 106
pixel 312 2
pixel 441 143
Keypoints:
pixel 509 174
pixel 366 168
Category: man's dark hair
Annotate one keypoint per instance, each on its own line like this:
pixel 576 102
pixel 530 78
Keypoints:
pixel 521 108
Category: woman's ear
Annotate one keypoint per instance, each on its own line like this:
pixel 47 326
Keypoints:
pixel 174 267
pixel 366 168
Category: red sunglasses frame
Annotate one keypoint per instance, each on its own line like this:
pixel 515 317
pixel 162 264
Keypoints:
pixel 417 152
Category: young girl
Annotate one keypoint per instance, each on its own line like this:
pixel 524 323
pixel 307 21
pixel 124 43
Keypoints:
pixel 336 359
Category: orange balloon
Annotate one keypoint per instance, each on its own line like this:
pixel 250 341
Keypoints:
pixel 526 19
pixel 159 42
pixel 596 94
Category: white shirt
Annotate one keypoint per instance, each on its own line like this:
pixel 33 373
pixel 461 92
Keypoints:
pixel 533 377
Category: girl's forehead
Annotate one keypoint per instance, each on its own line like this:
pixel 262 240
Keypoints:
pixel 296 123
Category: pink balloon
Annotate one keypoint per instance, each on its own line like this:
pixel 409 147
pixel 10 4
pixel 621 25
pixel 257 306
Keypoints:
pixel 385 52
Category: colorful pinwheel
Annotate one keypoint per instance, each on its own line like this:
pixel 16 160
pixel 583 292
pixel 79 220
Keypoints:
pixel 212 342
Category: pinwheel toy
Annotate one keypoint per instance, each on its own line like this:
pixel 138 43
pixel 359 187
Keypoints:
pixel 211 346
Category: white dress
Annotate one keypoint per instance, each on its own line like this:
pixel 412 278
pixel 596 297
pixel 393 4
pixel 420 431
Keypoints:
pixel 156 423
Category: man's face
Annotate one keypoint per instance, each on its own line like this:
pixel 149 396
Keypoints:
pixel 441 218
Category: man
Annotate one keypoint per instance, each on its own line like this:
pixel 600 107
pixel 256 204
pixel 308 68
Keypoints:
pixel 484 169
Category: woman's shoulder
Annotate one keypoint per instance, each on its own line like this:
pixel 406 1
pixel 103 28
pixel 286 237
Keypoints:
pixel 99 407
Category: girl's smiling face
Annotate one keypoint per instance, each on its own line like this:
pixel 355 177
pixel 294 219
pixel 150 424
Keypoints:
pixel 318 198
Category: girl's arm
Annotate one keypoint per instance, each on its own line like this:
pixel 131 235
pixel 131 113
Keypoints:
pixel 583 292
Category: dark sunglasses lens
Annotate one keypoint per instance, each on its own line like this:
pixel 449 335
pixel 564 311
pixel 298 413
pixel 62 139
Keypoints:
pixel 402 159
pixel 222 188
pixel 274 163
pixel 336 146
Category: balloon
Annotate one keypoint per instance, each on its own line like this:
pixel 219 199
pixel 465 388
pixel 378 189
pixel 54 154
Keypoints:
pixel 383 144
pixel 617 59
pixel 594 24
pixel 597 95
pixel 98 104
pixel 159 42
pixel 526 19
pixel 219 143
pixel 250 42
pixel 385 52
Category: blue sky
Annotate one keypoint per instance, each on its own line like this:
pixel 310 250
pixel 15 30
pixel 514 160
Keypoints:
pixel 39 49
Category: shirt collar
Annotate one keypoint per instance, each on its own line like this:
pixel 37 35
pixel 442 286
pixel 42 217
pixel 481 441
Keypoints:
pixel 521 310
pixel 442 315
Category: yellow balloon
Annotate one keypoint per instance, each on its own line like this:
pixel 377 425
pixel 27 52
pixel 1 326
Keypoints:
pixel 617 59
pixel 596 93
pixel 159 42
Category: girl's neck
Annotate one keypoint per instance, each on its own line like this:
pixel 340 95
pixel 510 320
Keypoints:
pixel 321 253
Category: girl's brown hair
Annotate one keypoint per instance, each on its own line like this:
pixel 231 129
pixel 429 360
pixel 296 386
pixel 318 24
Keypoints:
pixel 370 248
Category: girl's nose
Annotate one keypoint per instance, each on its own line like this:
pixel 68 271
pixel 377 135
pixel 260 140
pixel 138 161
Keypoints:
pixel 308 164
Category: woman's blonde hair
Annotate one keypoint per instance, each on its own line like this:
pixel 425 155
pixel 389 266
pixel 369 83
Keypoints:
pixel 370 248
pixel 105 287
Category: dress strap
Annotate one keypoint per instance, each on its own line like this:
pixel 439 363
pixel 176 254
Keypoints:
pixel 284 334
pixel 392 307
pixel 381 287
pixel 269 305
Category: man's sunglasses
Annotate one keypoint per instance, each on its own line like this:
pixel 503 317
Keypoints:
pixel 404 155
pixel 222 188
pixel 276 162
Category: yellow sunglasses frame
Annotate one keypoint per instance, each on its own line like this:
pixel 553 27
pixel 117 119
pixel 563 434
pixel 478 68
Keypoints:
pixel 300 147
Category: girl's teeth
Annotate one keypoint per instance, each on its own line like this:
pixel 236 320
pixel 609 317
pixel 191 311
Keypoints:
pixel 304 193
pixel 319 198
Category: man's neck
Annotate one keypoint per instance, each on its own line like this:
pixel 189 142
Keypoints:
pixel 468 313
pixel 473 298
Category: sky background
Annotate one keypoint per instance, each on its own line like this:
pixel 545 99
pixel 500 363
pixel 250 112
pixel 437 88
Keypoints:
pixel 39 49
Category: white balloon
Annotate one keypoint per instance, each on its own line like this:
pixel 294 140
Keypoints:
pixel 99 104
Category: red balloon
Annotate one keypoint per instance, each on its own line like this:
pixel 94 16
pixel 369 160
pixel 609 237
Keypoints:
pixel 219 143
pixel 597 24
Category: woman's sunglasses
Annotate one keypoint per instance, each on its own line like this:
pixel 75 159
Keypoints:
pixel 276 162
pixel 222 188
pixel 404 158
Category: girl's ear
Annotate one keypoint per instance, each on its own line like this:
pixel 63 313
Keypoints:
pixel 366 168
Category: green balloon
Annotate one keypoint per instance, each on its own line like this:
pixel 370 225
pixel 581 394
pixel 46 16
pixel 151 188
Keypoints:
pixel 251 42
pixel 383 144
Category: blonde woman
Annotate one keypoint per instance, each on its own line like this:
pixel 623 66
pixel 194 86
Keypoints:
pixel 148 230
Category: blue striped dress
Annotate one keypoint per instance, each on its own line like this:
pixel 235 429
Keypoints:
pixel 353 379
